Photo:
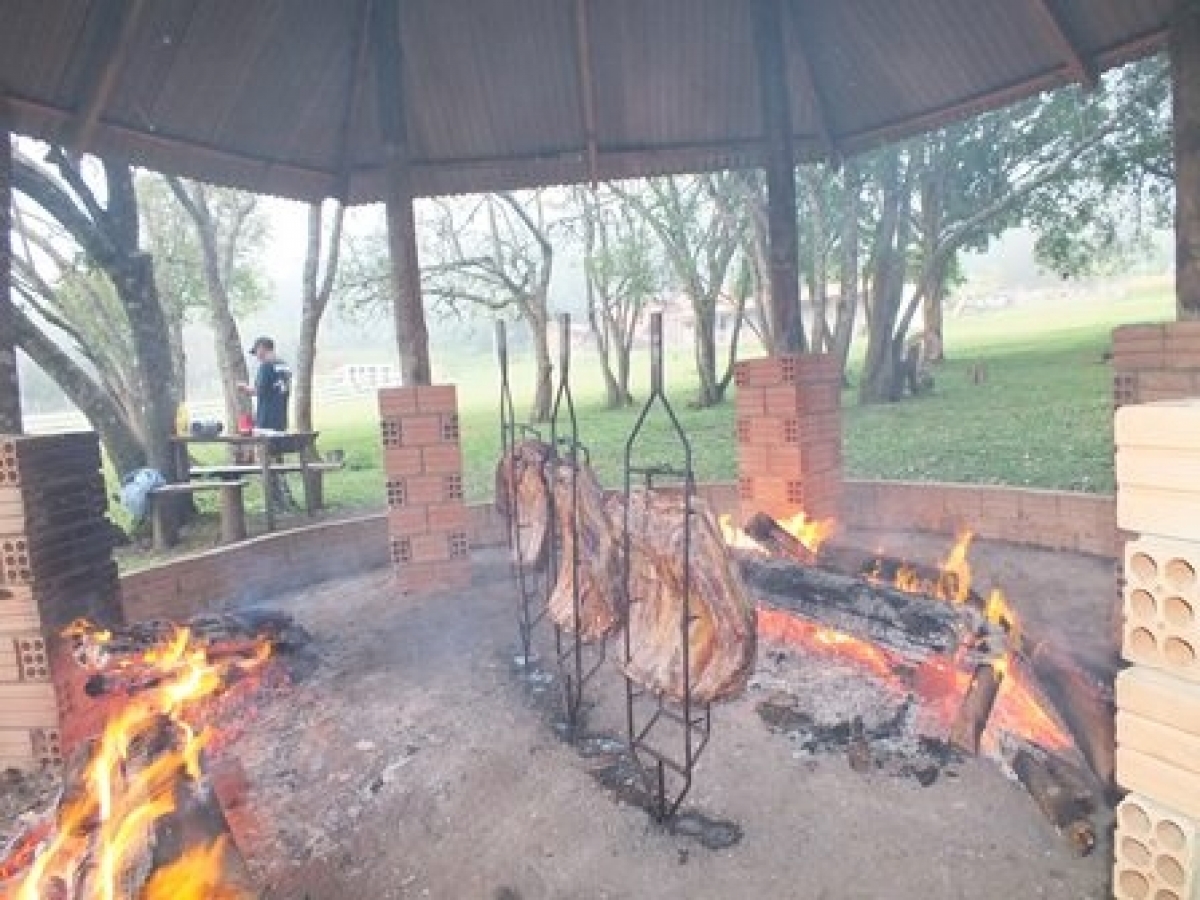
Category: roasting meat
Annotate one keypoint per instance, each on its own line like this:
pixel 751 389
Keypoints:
pixel 723 629
pixel 599 576
pixel 521 490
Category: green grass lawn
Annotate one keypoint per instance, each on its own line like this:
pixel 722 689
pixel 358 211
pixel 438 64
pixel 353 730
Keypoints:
pixel 1042 418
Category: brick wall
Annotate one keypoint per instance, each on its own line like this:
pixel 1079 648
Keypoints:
pixel 55 566
pixel 1156 362
pixel 1054 520
pixel 789 436
pixel 268 566
pixel 422 463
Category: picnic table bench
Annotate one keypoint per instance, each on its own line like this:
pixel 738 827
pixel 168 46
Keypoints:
pixel 233 510
pixel 270 452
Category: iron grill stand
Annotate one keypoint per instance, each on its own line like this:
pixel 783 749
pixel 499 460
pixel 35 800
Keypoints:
pixel 647 715
pixel 513 432
pixel 569 645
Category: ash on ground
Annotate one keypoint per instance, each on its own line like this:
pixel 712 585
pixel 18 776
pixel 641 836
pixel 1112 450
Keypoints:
pixel 25 798
pixel 827 707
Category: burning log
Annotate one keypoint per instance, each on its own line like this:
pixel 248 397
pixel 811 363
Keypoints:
pixel 777 539
pixel 597 577
pixel 976 708
pixel 136 819
pixel 722 632
pixel 523 496
pixel 1055 786
pixel 1085 705
pixel 910 625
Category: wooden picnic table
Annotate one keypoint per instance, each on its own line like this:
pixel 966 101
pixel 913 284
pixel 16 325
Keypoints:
pixel 271 450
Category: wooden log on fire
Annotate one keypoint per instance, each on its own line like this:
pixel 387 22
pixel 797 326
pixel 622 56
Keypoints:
pixel 911 625
pixel 776 539
pixel 1083 700
pixel 976 708
pixel 1054 785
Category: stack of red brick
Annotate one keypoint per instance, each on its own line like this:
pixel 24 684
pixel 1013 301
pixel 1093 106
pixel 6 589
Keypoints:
pixel 789 436
pixel 56 566
pixel 1156 362
pixel 422 462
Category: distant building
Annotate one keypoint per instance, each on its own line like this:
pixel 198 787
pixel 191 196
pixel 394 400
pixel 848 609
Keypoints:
pixel 366 376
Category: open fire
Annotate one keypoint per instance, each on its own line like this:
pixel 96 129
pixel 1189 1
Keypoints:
pixel 136 817
pixel 957 653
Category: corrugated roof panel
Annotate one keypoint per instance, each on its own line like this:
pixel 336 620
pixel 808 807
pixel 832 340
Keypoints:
pixel 1098 27
pixel 36 45
pixel 491 79
pixel 674 72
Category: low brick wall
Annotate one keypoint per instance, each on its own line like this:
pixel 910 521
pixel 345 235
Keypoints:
pixel 274 564
pixel 1053 520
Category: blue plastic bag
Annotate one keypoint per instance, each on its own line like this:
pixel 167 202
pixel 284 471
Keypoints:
pixel 135 491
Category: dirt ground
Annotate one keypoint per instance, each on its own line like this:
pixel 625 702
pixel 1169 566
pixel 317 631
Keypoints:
pixel 413 761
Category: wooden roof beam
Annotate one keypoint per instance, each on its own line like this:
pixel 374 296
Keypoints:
pixel 587 86
pixel 99 83
pixel 811 87
pixel 1055 30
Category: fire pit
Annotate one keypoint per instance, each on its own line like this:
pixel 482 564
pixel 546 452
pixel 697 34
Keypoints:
pixel 925 669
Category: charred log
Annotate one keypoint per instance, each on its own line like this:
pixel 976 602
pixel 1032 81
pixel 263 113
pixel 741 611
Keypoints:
pixel 523 496
pixel 590 572
pixel 911 625
pixel 976 709
pixel 776 539
pixel 678 557
pixel 1084 703
pixel 1046 777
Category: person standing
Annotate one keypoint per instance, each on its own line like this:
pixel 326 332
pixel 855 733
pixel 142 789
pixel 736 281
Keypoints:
pixel 272 387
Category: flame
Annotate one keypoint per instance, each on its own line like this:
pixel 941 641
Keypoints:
pixel 956 569
pixel 106 830
pixel 1000 612
pixel 194 876
pixel 813 534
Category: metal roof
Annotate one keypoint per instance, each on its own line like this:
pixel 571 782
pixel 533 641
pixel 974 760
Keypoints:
pixel 280 96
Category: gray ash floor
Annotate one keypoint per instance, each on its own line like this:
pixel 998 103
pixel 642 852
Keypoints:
pixel 413 762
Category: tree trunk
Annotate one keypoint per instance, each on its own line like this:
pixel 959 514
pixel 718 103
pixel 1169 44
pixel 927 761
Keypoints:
pixel 306 361
pixel 881 377
pixel 135 284
pixel 819 290
pixel 710 392
pixel 543 394
pixel 121 441
pixel 932 315
pixel 10 384
pixel 412 335
pixel 622 348
pixel 847 311
pixel 1184 44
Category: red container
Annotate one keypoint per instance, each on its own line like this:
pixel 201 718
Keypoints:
pixel 245 424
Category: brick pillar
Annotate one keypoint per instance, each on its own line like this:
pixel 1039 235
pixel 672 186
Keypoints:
pixel 422 462
pixel 1158 697
pixel 55 566
pixel 789 436
pixel 1155 362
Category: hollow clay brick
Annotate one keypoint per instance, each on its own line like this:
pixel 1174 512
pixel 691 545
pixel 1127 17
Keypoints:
pixel 437 398
pixel 1173 423
pixel 1159 697
pixel 1159 740
pixel 1155 852
pixel 1171 514
pixel 397 401
pixel 1158 780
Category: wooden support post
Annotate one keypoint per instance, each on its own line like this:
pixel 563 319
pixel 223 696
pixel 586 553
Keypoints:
pixel 10 387
pixel 233 512
pixel 1184 45
pixel 782 235
pixel 412 336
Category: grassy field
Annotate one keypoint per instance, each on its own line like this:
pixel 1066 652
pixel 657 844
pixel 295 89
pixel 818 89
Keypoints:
pixel 1042 418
